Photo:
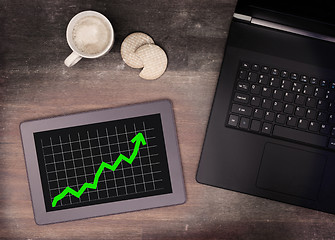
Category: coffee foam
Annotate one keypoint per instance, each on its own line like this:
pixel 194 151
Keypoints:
pixel 91 35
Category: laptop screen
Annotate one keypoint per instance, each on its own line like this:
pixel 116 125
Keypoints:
pixel 316 16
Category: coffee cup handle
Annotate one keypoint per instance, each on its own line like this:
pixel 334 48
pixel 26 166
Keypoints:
pixel 72 59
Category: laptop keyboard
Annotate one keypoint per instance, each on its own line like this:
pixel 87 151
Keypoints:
pixel 273 101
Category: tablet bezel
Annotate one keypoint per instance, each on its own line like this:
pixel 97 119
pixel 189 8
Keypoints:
pixel 162 107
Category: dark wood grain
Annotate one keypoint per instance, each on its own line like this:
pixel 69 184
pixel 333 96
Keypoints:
pixel 34 83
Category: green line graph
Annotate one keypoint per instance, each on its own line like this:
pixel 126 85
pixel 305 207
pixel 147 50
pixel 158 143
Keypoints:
pixel 138 139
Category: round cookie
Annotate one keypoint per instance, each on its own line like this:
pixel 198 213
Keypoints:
pixel 154 61
pixel 129 46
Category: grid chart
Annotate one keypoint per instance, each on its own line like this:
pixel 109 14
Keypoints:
pixel 70 157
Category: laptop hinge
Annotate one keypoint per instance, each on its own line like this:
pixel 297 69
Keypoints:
pixel 242 17
pixel 291 29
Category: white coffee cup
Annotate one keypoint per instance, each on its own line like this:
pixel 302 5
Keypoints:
pixel 89 35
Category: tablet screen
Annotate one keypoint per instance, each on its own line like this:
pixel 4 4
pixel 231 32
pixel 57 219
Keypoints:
pixel 103 162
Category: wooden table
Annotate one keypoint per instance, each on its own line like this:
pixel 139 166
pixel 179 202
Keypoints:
pixel 34 83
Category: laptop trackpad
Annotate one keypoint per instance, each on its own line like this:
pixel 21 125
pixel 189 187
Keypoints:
pixel 291 171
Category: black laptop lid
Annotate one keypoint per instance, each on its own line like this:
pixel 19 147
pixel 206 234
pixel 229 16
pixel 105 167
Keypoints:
pixel 314 16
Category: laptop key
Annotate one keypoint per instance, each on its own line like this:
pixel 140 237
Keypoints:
pixel 288 97
pixel 266 92
pixel 331 108
pixel 265 69
pixel 314 126
pixel 319 93
pixel 311 114
pixel 303 124
pixel 275 82
pixel 322 104
pixel 241 98
pixel 292 121
pixel 330 95
pixel 266 103
pixel 300 111
pixel 245 65
pixel 233 120
pixel 274 71
pixel 244 123
pixel 269 116
pixel 258 113
pixel 255 67
pixel 300 136
pixel 289 108
pixel 300 99
pixel 277 106
pixel 304 78
pixel 297 87
pixel 255 125
pixel 294 76
pixel 331 144
pixel 243 86
pixel 308 90
pixel 280 118
pixel 277 94
pixel 243 74
pixel 255 101
pixel 252 77
pixel 313 80
pixel 331 119
pixel 267 128
pixel 284 74
pixel 325 129
pixel 263 79
pixel 243 110
pixel 322 117
pixel 286 84
pixel 255 89
pixel 323 83
pixel 311 102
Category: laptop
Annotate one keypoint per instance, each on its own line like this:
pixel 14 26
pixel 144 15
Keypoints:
pixel 271 131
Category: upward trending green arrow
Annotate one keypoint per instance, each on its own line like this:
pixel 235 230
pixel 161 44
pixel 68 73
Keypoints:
pixel 138 139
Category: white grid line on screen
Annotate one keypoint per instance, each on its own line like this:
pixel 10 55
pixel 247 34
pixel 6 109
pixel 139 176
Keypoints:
pixel 95 164
pixel 47 171
pixel 82 160
pixel 140 159
pixel 109 135
pixel 94 170
pixel 135 175
pixel 53 157
pixel 131 165
pixel 104 172
pixel 46 155
pixel 118 145
pixel 74 169
pixel 114 188
pixel 152 175
pixel 110 154
pixel 125 168
pixel 63 160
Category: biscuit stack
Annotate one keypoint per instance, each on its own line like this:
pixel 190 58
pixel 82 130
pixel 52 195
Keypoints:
pixel 138 50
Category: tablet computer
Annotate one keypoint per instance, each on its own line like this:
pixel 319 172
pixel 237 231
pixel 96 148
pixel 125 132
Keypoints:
pixel 103 162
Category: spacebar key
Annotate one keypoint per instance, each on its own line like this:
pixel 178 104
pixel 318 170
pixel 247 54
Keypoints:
pixel 300 136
